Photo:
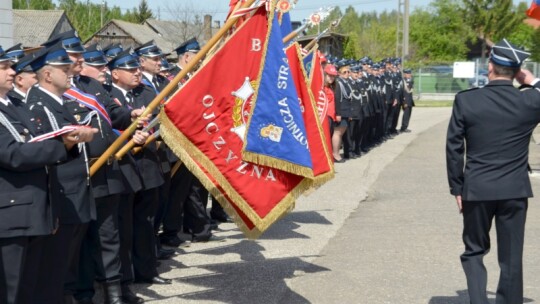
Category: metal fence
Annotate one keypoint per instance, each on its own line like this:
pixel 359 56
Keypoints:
pixel 438 83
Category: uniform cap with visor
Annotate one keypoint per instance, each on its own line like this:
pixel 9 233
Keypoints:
pixel 70 41
pixel 54 55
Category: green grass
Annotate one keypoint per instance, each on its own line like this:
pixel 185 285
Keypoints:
pixel 433 103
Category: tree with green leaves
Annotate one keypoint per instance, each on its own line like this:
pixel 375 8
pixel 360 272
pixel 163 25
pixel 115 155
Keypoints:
pixel 491 20
pixel 438 33
pixel 33 4
pixel 535 46
pixel 143 13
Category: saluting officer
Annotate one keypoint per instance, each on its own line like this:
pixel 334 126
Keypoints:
pixel 70 181
pixel 487 149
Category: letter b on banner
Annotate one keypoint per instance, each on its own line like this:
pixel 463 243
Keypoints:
pixel 256 45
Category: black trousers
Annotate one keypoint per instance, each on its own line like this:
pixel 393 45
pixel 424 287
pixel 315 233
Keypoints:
pixel 510 218
pixel 406 118
pixel 100 249
pixel 351 138
pixel 190 199
pixel 164 202
pixel 59 263
pixel 34 250
pixel 145 206
pixel 174 211
pixel 396 111
pixel 125 229
pixel 12 258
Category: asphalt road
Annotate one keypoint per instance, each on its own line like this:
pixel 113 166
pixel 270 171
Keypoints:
pixel 385 230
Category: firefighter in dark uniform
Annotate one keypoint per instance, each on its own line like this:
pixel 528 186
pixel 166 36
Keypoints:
pixel 130 93
pixel 389 96
pixel 70 181
pixel 398 95
pixel 408 101
pixel 352 140
pixel 188 196
pixel 343 100
pixel 28 216
pixel 25 78
pixel 150 60
pixel 487 150
pixel 110 52
pixel 100 251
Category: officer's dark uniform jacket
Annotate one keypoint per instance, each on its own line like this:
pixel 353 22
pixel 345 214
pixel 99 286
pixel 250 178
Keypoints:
pixel 70 181
pixel 408 96
pixel 148 163
pixel 379 100
pixel 494 125
pixel 372 92
pixel 343 98
pixel 389 88
pixel 16 98
pixel 356 100
pixel 398 87
pixel 166 156
pixel 108 180
pixel 26 209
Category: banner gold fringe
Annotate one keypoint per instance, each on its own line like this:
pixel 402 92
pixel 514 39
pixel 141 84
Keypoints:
pixel 260 158
pixel 188 152
pixel 321 179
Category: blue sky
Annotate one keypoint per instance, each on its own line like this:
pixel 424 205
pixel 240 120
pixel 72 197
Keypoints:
pixel 219 8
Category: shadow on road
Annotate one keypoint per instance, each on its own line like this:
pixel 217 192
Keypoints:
pixel 255 279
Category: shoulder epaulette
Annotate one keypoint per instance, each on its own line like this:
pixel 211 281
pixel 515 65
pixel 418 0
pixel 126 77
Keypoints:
pixel 468 90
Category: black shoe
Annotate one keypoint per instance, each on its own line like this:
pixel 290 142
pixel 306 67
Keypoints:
pixel 129 297
pixel 222 219
pixel 155 280
pixel 339 161
pixel 172 241
pixel 406 131
pixel 354 155
pixel 112 292
pixel 212 238
pixel 165 254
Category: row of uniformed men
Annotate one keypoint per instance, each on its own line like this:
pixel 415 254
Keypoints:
pixel 60 229
pixel 368 100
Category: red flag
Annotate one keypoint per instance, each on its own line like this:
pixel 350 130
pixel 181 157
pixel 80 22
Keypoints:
pixel 323 169
pixel 203 121
pixel 534 10
pixel 316 81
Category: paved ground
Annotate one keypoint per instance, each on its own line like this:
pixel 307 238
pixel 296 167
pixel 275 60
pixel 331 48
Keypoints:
pixel 385 230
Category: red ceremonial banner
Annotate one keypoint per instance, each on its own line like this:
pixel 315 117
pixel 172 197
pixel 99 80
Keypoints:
pixel 534 10
pixel 316 81
pixel 204 124
pixel 323 166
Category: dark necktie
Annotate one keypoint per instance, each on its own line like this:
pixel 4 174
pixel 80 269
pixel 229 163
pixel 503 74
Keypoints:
pixel 129 98
pixel 155 82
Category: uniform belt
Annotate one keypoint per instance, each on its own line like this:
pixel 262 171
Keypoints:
pixel 110 160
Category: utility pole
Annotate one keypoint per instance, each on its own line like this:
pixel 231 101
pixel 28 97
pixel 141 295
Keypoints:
pixel 102 11
pixel 399 29
pixel 406 30
pixel 402 34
